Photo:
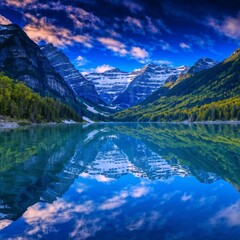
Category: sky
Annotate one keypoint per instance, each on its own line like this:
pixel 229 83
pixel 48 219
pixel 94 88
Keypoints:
pixel 98 35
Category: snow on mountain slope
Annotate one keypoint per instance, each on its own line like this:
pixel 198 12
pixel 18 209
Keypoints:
pixel 125 89
pixel 147 80
pixel 110 83
pixel 202 64
pixel 81 86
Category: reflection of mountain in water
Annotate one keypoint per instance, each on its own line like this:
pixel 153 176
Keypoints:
pixel 31 160
pixel 212 149
pixel 120 154
pixel 41 163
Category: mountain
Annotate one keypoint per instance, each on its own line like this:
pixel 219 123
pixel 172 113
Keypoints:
pixel 82 87
pixel 202 64
pixel 22 59
pixel 110 84
pixel 213 94
pixel 123 89
pixel 146 80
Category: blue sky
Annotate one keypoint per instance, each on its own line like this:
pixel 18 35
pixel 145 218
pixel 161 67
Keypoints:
pixel 100 34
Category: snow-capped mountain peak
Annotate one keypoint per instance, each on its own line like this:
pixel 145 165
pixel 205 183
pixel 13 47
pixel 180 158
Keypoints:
pixel 125 89
pixel 202 64
pixel 144 82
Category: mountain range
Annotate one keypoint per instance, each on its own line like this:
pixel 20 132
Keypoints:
pixel 23 60
pixel 75 80
pixel 125 89
pixel 161 93
pixel 206 95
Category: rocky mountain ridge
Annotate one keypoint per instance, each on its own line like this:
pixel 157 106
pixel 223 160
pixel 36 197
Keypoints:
pixel 22 59
pixel 61 63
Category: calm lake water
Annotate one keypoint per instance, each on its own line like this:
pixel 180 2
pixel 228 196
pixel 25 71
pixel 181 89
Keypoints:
pixel 120 181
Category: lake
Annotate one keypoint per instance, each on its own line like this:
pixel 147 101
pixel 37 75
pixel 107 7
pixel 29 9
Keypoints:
pixel 120 181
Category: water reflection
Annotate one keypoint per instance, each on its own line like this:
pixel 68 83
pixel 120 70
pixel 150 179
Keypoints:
pixel 120 181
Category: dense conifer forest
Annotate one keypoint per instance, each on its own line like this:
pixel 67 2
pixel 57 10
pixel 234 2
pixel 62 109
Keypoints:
pixel 20 102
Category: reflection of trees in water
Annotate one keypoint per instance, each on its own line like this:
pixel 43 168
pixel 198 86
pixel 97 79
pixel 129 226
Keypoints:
pixel 41 163
pixel 212 148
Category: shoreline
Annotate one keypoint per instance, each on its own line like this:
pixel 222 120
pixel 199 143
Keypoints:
pixel 14 125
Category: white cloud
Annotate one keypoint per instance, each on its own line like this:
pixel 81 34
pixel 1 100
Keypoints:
pixel 103 68
pixel 230 27
pixel 86 72
pixel 132 6
pixel 80 17
pixel 156 26
pixel 19 4
pixel 133 24
pixel 134 21
pixel 120 48
pixel 100 69
pixel 42 30
pixel 4 20
pixel 164 45
pixel 162 62
pixel 80 61
pixel 203 41
pixel 139 53
pixel 113 45
pixel 185 46
pixel 145 26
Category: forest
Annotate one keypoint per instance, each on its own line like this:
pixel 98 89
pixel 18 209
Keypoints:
pixel 17 101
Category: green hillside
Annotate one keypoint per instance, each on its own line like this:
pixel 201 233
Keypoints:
pixel 20 102
pixel 213 94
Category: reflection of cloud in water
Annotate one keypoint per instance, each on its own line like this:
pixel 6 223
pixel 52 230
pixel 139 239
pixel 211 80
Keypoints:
pixel 229 215
pixel 99 178
pixel 114 202
pixel 145 220
pixel 120 199
pixel 185 197
pixel 42 216
pixel 88 216
pixel 207 201
pixel 80 187
pixel 167 196
pixel 138 192
pixel 85 228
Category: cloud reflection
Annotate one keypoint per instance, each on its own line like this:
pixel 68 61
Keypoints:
pixel 44 217
pixel 229 215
